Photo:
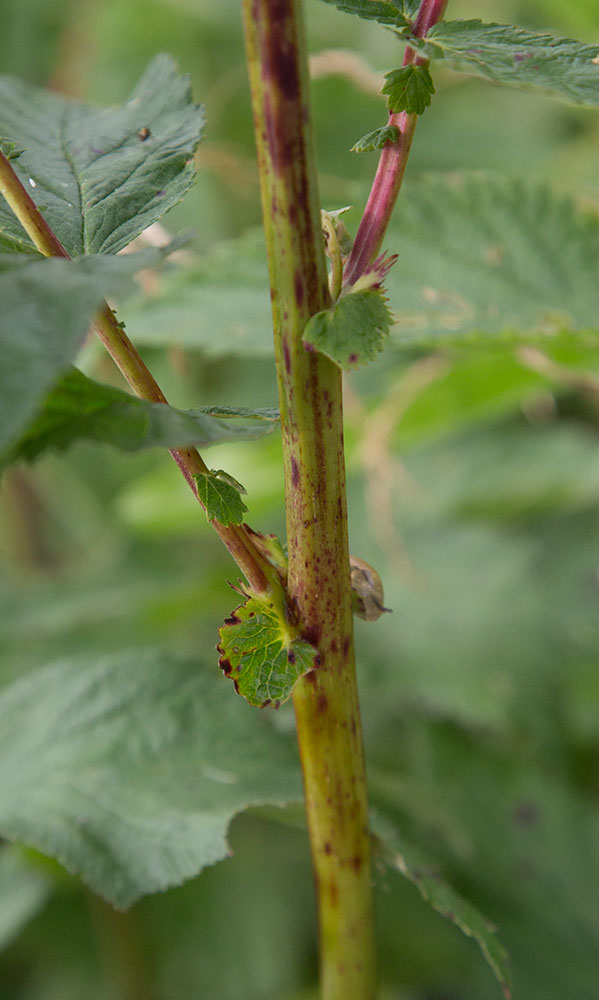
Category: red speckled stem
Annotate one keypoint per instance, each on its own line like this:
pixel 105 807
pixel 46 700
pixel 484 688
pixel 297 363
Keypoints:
pixel 392 164
pixel 310 399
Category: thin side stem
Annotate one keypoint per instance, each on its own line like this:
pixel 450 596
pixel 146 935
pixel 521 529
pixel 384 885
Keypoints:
pixel 310 400
pixel 27 212
pixel 261 576
pixel 392 163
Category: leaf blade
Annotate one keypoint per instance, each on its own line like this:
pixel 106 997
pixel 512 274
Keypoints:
pixel 220 498
pixel 125 771
pixel 262 654
pixel 415 866
pixel 78 408
pixel 395 12
pixel 353 330
pixel 490 257
pixel 47 307
pixel 376 139
pixel 409 89
pixel 98 183
pixel 561 67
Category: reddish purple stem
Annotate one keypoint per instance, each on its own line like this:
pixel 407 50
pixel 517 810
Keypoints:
pixel 392 164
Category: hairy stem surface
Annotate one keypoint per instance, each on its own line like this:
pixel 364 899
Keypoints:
pixel 326 704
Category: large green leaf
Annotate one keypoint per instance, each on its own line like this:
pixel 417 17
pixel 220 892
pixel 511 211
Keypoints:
pixel 129 769
pixel 47 308
pixel 478 257
pixel 506 54
pixel 481 255
pixel 78 408
pixel 95 174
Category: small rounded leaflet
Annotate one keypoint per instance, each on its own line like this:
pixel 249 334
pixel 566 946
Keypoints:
pixel 262 654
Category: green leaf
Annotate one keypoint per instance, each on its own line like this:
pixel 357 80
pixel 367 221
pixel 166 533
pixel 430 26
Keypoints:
pixel 353 330
pixel 376 139
pixel 471 527
pixel 561 67
pixel 518 837
pixel 128 769
pixel 393 12
pixel 421 871
pixel 481 384
pixel 482 256
pixel 409 89
pixel 221 497
pixel 219 303
pixel 47 308
pixel 24 889
pixel 78 408
pixel 262 654
pixel 98 181
pixel 10 149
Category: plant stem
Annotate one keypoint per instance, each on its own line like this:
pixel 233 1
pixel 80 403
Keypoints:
pixel 310 399
pixel 392 163
pixel 261 577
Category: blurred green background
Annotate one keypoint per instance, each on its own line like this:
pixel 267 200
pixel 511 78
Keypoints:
pixel 473 488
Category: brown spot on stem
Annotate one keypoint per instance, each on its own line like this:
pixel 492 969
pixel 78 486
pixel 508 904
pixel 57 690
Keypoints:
pixel 281 63
pixel 313 634
pixel 527 814
pixel 322 704
pixel 286 355
pixel 356 863
pixel 298 287
pixel 277 140
pixel 346 645
pixel 295 476
pixel 327 848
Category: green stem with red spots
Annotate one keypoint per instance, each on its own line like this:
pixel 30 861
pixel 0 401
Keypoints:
pixel 310 399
